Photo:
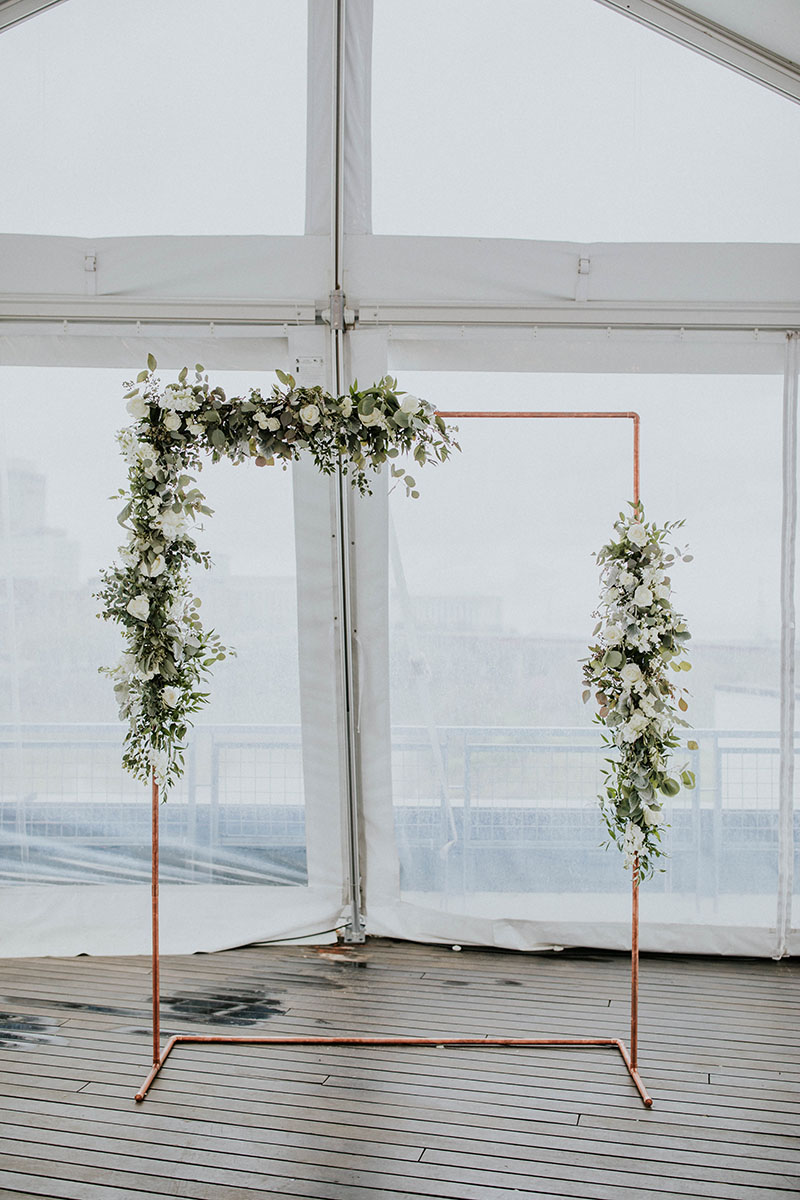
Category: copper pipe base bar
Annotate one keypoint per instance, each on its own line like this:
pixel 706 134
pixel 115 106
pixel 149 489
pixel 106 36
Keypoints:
pixel 191 1038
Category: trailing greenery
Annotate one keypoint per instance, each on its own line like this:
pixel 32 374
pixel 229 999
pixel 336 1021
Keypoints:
pixel 633 672
pixel 168 653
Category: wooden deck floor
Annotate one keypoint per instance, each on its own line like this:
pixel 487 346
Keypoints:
pixel 720 1053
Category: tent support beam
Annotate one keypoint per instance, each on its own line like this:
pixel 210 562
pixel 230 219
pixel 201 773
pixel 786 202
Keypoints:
pixel 14 12
pixel 354 931
pixel 714 41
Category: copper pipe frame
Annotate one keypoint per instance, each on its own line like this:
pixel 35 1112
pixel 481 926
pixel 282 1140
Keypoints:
pixel 440 1043
pixel 630 1059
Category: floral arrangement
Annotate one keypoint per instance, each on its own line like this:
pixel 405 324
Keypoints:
pixel 641 640
pixel 158 679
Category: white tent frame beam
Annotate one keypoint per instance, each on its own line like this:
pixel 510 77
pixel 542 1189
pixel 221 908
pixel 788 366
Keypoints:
pixel 110 314
pixel 173 311
pixel 714 41
pixel 591 315
pixel 13 12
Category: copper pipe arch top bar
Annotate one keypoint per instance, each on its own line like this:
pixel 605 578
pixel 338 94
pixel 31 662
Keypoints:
pixel 572 416
pixel 631 416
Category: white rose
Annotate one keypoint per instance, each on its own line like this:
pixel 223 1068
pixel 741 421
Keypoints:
pixel 637 722
pixel 139 607
pixel 309 414
pixel 612 595
pixel 630 674
pixel 637 534
pixel 373 418
pixel 627 579
pixel 662 592
pixel 262 420
pixel 170 696
pixel 157 567
pixel 175 612
pixel 195 427
pixel 171 524
pixel 642 597
pixel 159 761
pixel 178 398
pixel 129 556
pixel 612 635
pixel 137 406
pixel 172 421
pixel 347 407
pixel 633 842
pixel 273 424
pixel 410 404
pixel 632 729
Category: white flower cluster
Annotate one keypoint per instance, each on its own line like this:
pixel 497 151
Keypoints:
pixel 179 398
pixel 640 637
pixel 633 844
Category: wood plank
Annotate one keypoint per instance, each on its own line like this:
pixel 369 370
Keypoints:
pixel 720 1050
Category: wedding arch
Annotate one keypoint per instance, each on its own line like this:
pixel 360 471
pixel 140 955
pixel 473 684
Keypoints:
pixel 168 652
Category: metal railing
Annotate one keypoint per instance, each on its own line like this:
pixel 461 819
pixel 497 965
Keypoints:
pixel 485 808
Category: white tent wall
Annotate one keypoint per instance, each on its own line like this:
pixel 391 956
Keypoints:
pixel 484 671
pixel 413 305
pixel 251 844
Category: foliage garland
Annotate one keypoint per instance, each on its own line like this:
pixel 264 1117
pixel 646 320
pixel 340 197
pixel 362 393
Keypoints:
pixel 641 637
pixel 168 652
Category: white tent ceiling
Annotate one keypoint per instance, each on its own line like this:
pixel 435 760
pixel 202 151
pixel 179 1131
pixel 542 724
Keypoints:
pixel 760 40
pixel 55 284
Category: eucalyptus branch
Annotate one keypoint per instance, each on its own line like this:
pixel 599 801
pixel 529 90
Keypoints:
pixel 168 654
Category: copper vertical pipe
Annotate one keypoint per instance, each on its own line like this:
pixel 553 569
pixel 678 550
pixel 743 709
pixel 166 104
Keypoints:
pixel 154 895
pixel 635 868
pixel 635 417
pixel 635 962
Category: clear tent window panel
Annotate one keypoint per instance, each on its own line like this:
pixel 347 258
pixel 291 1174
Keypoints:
pixel 495 762
pixel 562 120
pixel 155 117
pixel 69 811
